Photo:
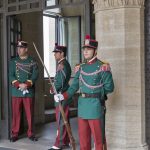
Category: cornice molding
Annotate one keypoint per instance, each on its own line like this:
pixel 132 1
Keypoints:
pixel 110 4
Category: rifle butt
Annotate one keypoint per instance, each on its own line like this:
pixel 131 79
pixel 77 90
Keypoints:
pixel 105 146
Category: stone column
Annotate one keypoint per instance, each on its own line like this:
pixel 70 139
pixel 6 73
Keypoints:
pixel 120 33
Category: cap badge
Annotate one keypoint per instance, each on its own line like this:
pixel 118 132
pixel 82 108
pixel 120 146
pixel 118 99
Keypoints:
pixel 87 41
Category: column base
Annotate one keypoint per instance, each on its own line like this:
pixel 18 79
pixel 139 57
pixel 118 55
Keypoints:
pixel 142 147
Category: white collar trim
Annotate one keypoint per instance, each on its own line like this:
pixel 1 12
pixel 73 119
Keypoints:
pixel 92 59
pixel 61 60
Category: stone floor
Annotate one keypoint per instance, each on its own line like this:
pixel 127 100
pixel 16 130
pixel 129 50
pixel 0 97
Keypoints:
pixel 46 135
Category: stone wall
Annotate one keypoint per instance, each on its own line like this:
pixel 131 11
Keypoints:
pixel 120 33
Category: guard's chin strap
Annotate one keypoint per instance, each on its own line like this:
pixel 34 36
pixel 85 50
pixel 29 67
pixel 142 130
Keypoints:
pixel 92 59
pixel 94 56
pixel 61 60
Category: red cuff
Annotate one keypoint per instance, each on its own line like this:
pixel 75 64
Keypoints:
pixel 28 84
pixel 65 95
pixel 16 84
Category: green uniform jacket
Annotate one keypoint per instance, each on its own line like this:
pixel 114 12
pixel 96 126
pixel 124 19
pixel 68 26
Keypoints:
pixel 23 71
pixel 62 77
pixel 91 78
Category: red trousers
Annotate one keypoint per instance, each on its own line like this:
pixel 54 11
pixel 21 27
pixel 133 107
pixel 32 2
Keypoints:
pixel 17 103
pixel 62 135
pixel 86 128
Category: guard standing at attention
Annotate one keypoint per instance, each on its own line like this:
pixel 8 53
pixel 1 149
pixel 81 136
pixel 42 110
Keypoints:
pixel 23 73
pixel 61 82
pixel 94 81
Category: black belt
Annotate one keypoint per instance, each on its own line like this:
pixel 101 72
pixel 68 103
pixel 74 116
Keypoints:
pixel 91 95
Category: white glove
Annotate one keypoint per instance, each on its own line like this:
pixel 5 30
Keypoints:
pixel 20 89
pixel 58 97
pixel 25 91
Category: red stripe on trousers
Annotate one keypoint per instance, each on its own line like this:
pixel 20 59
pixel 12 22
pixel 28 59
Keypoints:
pixel 17 103
pixel 86 128
pixel 64 135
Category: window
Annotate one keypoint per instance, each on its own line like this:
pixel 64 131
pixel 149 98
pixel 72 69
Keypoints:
pixel 49 25
pixel 65 31
pixel 69 34
pixel 50 2
pixel 14 34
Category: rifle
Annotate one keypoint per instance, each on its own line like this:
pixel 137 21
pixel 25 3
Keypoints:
pixel 103 122
pixel 72 140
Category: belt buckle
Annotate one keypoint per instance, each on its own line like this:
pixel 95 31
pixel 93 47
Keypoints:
pixel 83 95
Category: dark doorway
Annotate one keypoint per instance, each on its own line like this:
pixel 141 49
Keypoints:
pixel 66 25
pixel 0 67
pixel 12 32
pixel 147 68
pixel 13 35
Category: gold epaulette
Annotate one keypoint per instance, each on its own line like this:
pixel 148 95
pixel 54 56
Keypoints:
pixel 104 62
pixel 105 66
pixel 77 67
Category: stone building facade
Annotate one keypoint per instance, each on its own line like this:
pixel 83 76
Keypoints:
pixel 121 34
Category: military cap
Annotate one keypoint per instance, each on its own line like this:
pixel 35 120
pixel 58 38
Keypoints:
pixel 88 42
pixel 59 48
pixel 22 44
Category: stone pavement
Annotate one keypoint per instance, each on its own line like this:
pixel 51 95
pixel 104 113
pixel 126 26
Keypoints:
pixel 46 135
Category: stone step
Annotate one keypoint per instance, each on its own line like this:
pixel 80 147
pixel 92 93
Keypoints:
pixel 50 114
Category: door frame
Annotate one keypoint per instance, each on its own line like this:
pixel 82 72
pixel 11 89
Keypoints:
pixel 5 114
pixel 4 123
pixel 86 6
